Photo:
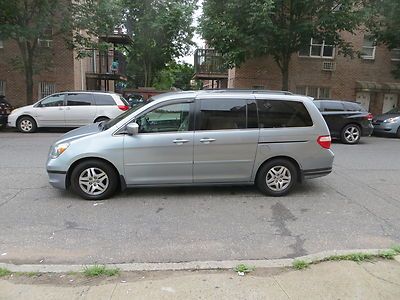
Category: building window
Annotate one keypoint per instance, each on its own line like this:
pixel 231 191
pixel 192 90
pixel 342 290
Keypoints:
pixel 2 87
pixel 368 48
pixel 319 49
pixel 46 89
pixel 395 54
pixel 46 38
pixel 313 91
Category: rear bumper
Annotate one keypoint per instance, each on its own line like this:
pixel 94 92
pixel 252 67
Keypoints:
pixel 314 173
pixel 57 179
pixel 3 120
pixel 367 130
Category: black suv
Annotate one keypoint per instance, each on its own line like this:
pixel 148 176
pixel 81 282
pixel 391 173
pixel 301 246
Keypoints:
pixel 347 121
pixel 5 110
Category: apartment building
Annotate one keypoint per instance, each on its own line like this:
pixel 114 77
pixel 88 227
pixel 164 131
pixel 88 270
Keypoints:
pixel 321 72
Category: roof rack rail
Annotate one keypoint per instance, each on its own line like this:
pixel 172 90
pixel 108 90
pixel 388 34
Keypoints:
pixel 85 91
pixel 248 90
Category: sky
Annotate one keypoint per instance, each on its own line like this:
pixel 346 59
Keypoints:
pixel 197 39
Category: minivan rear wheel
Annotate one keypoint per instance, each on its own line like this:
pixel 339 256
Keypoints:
pixel 277 177
pixel 351 134
pixel 94 180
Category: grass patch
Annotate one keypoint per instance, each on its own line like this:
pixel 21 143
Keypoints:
pixel 387 254
pixel 242 268
pixel 300 264
pixel 357 257
pixel 27 274
pixel 396 248
pixel 97 270
pixel 4 272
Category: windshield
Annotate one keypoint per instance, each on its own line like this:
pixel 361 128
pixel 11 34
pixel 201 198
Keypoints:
pixel 110 123
pixel 395 110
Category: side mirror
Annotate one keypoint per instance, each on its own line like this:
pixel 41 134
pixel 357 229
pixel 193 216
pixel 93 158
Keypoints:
pixel 132 129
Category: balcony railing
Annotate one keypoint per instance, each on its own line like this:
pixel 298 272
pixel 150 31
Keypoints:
pixel 208 62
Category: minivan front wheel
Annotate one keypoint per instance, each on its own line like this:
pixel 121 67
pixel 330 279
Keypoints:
pixel 277 177
pixel 26 124
pixel 351 134
pixel 94 180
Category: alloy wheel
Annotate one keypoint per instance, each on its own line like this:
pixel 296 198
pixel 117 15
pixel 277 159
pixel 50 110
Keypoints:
pixel 26 125
pixel 278 178
pixel 93 181
pixel 352 134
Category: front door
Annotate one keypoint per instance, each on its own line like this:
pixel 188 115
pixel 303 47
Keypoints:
pixel 80 109
pixel 50 112
pixel 162 152
pixel 225 147
pixel 364 99
pixel 389 102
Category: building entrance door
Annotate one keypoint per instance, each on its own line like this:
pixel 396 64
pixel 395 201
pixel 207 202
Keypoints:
pixel 364 99
pixel 389 102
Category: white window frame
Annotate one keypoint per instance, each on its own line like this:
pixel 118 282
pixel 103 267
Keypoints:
pixel 394 57
pixel 321 55
pixel 2 87
pixel 46 42
pixel 373 47
pixel 307 88
pixel 46 89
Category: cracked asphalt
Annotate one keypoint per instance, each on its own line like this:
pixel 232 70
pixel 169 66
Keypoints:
pixel 357 206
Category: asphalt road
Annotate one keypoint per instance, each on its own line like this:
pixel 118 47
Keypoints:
pixel 357 206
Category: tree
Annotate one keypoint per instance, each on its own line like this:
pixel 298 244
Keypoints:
pixel 176 75
pixel 28 21
pixel 162 31
pixel 385 25
pixel 241 30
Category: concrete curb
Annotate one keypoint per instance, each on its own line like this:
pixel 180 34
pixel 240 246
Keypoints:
pixel 194 265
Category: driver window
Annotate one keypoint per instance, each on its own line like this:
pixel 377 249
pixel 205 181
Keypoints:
pixel 53 101
pixel 170 118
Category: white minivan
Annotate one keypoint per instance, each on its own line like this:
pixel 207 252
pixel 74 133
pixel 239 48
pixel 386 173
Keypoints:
pixel 68 109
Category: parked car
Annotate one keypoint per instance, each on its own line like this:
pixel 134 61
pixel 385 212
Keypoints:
pixel 388 123
pixel 347 120
pixel 68 109
pixel 270 139
pixel 5 110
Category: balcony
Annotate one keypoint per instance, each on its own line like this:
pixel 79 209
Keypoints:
pixel 209 65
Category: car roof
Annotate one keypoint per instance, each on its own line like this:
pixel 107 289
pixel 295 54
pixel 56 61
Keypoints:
pixel 87 92
pixel 337 101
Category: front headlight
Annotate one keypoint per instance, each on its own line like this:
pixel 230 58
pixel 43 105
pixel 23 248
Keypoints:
pixel 392 120
pixel 58 150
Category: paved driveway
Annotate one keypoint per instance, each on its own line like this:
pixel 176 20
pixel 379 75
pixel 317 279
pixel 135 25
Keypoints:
pixel 357 206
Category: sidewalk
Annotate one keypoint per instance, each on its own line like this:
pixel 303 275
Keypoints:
pixel 328 280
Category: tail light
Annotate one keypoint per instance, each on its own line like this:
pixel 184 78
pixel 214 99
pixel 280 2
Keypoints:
pixel 123 107
pixel 324 141
pixel 369 117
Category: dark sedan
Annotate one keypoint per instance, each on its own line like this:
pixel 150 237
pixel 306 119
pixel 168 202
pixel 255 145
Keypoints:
pixel 347 121
pixel 5 110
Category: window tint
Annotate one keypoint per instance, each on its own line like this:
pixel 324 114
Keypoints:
pixel 252 117
pixel 333 106
pixel 79 99
pixel 104 99
pixel 353 107
pixel 276 114
pixel 54 100
pixel 170 118
pixel 222 114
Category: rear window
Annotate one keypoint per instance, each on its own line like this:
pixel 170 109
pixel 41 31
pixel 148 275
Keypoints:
pixel 348 106
pixel 104 99
pixel 278 114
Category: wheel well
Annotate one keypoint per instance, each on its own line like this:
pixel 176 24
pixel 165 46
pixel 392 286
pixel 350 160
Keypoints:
pixel 73 166
pixel 292 160
pixel 101 117
pixel 19 118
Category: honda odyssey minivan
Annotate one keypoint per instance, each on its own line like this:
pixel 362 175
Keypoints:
pixel 271 139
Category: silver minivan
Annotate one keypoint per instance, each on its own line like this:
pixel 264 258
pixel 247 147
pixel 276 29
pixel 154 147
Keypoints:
pixel 271 139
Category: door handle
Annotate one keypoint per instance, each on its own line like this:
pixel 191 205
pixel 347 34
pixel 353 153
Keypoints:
pixel 180 141
pixel 206 140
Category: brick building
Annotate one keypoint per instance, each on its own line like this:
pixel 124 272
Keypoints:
pixel 65 72
pixel 319 71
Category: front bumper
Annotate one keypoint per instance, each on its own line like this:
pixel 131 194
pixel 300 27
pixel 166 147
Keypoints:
pixel 386 128
pixel 57 179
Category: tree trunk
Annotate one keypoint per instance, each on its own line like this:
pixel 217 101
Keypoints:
pixel 285 72
pixel 29 84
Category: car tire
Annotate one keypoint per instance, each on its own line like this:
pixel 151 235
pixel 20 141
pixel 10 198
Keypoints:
pixel 350 134
pixel 277 177
pixel 26 124
pixel 101 119
pixel 398 133
pixel 94 180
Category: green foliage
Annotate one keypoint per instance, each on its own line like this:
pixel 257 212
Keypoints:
pixel 387 254
pixel 176 75
pixel 300 264
pixel 241 30
pixel 4 272
pixel 162 31
pixel 357 257
pixel 396 248
pixel 243 268
pixel 98 270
